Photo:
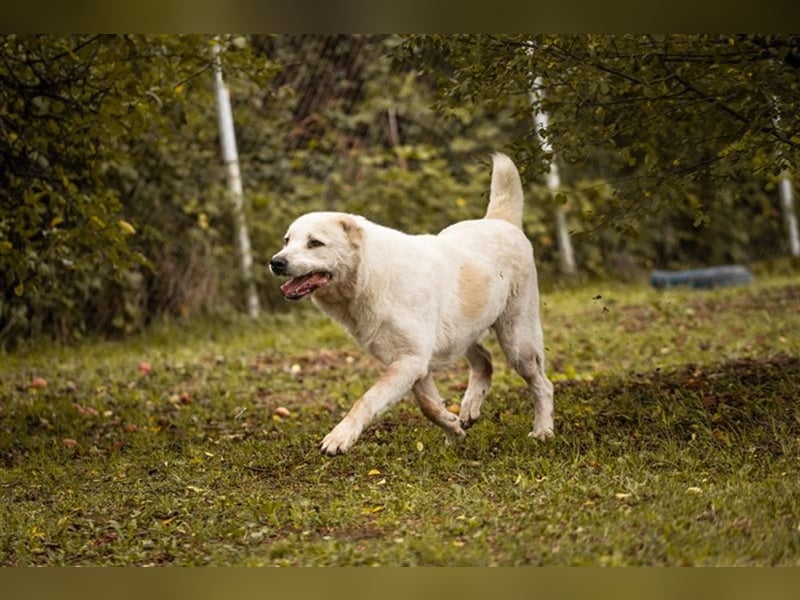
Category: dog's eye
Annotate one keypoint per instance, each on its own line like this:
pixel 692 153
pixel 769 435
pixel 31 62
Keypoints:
pixel 315 244
pixel 286 241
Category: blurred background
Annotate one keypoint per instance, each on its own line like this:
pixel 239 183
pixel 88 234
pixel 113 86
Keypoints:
pixel 118 206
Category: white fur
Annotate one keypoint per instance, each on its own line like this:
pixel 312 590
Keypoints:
pixel 416 302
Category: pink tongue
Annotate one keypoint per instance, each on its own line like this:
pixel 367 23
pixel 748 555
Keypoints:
pixel 296 288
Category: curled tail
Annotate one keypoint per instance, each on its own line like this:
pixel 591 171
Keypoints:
pixel 505 198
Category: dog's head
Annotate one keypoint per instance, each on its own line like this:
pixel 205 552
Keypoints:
pixel 320 249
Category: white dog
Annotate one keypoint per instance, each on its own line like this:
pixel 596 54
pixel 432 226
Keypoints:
pixel 418 301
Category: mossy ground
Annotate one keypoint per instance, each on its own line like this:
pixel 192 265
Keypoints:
pixel 677 443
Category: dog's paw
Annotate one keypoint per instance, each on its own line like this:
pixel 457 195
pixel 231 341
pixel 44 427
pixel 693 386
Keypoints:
pixel 451 438
pixel 339 440
pixel 469 414
pixel 541 433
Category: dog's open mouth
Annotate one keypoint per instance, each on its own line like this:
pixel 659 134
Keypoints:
pixel 299 287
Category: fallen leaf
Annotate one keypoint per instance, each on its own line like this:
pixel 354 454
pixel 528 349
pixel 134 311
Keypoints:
pixel 38 383
pixel 282 412
pixel 454 408
pixel 144 367
pixel 70 443
pixel 86 411
pixel 373 472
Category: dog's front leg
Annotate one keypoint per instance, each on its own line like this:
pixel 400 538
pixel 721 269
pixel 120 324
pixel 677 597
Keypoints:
pixel 390 388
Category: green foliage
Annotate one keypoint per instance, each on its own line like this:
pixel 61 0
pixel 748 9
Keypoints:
pixel 665 108
pixel 114 208
pixel 109 165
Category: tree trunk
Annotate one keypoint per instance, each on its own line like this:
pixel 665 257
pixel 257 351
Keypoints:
pixel 394 135
pixel 541 119
pixel 230 157
pixel 786 195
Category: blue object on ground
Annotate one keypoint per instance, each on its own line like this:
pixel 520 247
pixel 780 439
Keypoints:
pixel 702 278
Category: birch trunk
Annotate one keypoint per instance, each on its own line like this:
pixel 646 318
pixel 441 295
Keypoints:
pixel 786 195
pixel 230 157
pixel 541 119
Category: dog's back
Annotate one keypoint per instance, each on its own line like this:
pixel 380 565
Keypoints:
pixel 490 241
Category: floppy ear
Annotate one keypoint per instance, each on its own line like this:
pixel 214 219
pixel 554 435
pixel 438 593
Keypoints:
pixel 351 229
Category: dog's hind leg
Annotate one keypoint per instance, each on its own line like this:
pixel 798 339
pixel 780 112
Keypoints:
pixel 480 380
pixel 432 406
pixel 522 341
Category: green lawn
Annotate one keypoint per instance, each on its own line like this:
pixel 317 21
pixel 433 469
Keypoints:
pixel 677 443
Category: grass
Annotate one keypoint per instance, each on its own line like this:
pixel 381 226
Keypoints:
pixel 677 443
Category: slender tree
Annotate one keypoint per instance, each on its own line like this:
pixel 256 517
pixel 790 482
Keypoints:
pixel 230 156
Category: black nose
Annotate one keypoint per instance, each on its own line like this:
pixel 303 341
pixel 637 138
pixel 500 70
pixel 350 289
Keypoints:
pixel 278 265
